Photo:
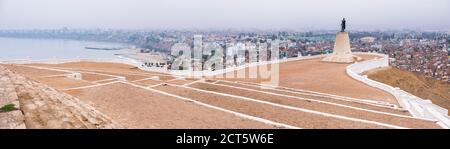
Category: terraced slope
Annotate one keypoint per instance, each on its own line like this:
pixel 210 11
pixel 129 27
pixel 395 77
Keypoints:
pixel 306 97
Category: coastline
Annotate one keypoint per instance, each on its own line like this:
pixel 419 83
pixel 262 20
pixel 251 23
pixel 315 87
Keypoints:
pixel 43 49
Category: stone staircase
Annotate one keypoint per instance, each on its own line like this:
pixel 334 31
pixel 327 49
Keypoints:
pixel 45 107
pixel 293 116
pixel 298 108
pixel 370 105
pixel 390 117
pixel 13 119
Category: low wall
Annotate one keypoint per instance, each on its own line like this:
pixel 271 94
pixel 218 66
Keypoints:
pixel 208 73
pixel 416 106
pixel 129 61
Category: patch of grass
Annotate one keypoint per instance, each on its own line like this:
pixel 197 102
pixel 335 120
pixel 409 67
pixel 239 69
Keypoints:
pixel 8 107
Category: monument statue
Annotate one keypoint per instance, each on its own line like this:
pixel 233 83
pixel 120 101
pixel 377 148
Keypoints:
pixel 343 25
pixel 342 52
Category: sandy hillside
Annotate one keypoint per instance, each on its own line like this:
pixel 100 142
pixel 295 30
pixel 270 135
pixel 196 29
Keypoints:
pixel 438 92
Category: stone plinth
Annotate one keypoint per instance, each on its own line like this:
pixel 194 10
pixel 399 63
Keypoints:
pixel 342 52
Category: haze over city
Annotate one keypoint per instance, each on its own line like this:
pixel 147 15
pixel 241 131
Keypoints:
pixel 225 14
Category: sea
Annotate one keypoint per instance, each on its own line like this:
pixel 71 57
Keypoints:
pixel 45 49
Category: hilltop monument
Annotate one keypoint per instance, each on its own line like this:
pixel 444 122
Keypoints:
pixel 342 52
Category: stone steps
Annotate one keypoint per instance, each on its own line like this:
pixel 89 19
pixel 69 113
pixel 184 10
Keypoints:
pixel 293 116
pixel 325 95
pixel 320 106
pixel 45 107
pixel 13 119
pixel 317 97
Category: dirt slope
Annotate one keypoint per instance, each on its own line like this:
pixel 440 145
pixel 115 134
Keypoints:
pixel 438 92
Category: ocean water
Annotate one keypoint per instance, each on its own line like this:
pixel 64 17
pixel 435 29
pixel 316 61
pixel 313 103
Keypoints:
pixel 44 49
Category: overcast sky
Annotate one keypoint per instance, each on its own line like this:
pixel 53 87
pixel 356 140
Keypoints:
pixel 224 14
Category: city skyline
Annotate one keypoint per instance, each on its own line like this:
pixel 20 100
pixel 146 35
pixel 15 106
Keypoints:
pixel 221 14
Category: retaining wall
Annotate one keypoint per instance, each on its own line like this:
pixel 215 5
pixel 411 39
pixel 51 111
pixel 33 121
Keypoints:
pixel 416 106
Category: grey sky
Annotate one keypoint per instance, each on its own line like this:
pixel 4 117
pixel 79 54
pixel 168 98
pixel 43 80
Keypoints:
pixel 247 14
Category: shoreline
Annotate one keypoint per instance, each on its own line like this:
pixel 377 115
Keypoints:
pixel 38 49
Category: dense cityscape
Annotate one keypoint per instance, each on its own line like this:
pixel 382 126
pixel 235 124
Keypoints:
pixel 425 53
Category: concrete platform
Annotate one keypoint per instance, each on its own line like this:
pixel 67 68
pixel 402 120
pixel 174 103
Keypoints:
pixel 342 52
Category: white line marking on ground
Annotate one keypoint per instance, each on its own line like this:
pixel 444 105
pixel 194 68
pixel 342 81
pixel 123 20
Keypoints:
pixel 51 76
pixel 187 84
pixel 105 80
pixel 103 74
pixel 90 86
pixel 150 78
pixel 324 102
pixel 298 109
pixel 88 81
pixel 218 108
pixel 45 68
pixel 174 79
pixel 73 71
pixel 151 86
pixel 215 81
pixel 318 94
pixel 150 73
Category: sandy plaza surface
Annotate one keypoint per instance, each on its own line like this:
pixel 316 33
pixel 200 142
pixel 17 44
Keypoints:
pixel 310 94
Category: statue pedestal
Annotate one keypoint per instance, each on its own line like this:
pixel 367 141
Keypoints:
pixel 342 52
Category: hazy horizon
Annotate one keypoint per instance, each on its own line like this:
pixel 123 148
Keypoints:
pixel 225 14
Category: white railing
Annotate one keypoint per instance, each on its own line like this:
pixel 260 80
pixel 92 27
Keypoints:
pixel 129 61
pixel 415 105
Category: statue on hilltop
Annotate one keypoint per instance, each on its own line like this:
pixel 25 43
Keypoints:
pixel 343 25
